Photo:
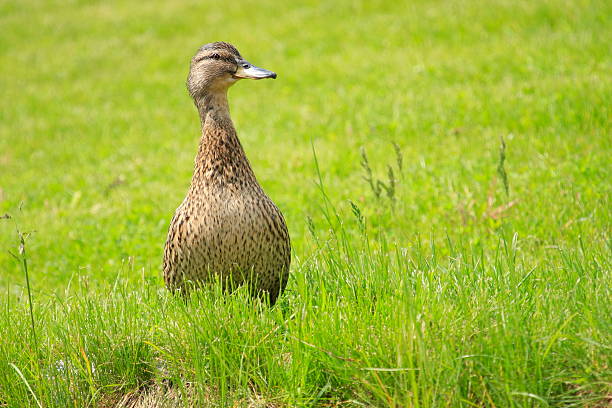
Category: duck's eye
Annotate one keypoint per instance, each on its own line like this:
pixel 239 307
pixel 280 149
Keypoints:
pixel 211 56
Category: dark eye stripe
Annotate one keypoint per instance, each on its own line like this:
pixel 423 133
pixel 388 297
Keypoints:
pixel 212 56
pixel 216 57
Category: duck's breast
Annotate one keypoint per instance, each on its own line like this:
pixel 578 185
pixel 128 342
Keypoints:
pixel 232 234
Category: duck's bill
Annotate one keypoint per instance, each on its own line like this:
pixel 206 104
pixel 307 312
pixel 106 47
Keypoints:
pixel 253 72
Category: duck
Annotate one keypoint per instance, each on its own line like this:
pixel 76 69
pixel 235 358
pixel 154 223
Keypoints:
pixel 226 229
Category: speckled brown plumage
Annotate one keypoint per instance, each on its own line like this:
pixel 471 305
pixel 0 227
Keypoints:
pixel 226 227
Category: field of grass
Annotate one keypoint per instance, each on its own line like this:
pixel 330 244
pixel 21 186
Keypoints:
pixel 428 270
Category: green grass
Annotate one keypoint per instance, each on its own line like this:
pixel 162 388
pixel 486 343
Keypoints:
pixel 444 291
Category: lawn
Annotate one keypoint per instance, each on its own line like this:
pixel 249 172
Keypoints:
pixel 444 169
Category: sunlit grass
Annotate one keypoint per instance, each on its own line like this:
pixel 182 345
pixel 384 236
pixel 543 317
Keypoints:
pixel 417 280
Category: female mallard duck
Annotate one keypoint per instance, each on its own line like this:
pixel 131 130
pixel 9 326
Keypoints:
pixel 226 228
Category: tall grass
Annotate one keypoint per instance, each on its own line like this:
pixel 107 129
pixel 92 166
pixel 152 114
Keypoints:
pixel 364 322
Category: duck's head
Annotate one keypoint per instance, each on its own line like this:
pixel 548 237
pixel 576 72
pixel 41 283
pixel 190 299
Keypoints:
pixel 217 66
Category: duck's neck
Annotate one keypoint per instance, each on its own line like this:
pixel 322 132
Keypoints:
pixel 221 160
